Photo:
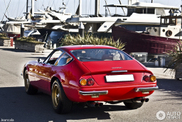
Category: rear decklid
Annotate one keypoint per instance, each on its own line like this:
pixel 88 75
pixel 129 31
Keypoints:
pixel 123 70
pixel 108 66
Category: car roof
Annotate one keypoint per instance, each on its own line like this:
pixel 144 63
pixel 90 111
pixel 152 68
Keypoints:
pixel 78 47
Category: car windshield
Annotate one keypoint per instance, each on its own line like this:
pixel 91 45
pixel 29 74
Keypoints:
pixel 100 55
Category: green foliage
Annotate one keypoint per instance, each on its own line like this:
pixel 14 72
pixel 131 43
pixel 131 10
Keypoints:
pixel 29 40
pixel 89 39
pixel 3 36
pixel 176 55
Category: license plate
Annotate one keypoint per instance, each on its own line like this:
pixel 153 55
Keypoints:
pixel 119 78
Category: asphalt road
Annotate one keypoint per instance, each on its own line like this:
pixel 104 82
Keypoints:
pixel 17 106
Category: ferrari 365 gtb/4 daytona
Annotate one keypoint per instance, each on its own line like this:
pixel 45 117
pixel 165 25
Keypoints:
pixel 89 74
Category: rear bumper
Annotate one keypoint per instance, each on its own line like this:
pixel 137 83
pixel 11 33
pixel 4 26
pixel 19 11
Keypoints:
pixel 146 89
pixel 109 93
pixel 105 92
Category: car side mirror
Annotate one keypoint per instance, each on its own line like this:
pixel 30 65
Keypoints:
pixel 40 60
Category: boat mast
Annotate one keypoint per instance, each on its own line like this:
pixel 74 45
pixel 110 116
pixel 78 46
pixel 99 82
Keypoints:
pixel 107 8
pixel 26 10
pixel 32 7
pixel 80 7
pixel 6 9
pixel 97 8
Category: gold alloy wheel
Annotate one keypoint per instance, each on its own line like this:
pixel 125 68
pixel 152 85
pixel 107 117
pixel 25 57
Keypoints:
pixel 56 95
pixel 60 102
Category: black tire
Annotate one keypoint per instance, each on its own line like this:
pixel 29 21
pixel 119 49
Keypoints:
pixel 60 102
pixel 28 87
pixel 133 105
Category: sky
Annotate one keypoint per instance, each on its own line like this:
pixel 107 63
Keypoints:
pixel 15 8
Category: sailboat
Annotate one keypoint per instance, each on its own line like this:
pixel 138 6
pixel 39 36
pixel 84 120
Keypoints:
pixel 41 19
pixel 12 26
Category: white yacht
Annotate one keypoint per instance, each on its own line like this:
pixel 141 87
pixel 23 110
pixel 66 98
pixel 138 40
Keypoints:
pixel 138 14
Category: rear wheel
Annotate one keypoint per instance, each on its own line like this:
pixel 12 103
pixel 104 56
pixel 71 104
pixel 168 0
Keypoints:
pixel 133 104
pixel 28 87
pixel 61 103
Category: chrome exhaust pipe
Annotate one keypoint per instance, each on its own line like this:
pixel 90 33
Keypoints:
pixel 146 99
pixel 142 99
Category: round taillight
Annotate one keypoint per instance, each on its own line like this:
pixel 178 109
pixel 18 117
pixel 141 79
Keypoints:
pixel 146 78
pixel 83 82
pixel 152 78
pixel 90 82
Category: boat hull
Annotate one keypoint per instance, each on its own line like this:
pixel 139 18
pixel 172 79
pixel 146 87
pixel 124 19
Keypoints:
pixel 139 42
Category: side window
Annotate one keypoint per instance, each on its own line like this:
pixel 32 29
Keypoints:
pixel 64 59
pixel 52 58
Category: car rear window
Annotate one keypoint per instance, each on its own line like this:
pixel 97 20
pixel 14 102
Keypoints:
pixel 100 55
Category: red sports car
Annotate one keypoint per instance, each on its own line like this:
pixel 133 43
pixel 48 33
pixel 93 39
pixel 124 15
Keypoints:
pixel 89 74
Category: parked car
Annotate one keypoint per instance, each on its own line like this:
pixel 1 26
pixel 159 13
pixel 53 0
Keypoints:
pixel 90 73
pixel 54 39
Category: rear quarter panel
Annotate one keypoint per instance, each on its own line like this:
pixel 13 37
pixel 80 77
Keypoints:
pixel 69 76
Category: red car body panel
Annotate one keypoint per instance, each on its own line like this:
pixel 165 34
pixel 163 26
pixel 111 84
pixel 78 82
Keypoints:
pixel 69 75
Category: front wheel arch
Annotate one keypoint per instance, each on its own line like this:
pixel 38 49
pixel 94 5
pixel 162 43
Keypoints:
pixel 52 80
pixel 31 90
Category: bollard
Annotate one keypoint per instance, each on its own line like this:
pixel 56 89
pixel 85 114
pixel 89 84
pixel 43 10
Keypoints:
pixel 156 63
pixel 81 29
pixel 11 39
pixel 22 30
pixel 54 46
pixel 161 61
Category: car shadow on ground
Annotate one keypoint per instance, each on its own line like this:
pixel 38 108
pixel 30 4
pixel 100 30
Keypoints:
pixel 17 105
pixel 169 93
pixel 172 86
